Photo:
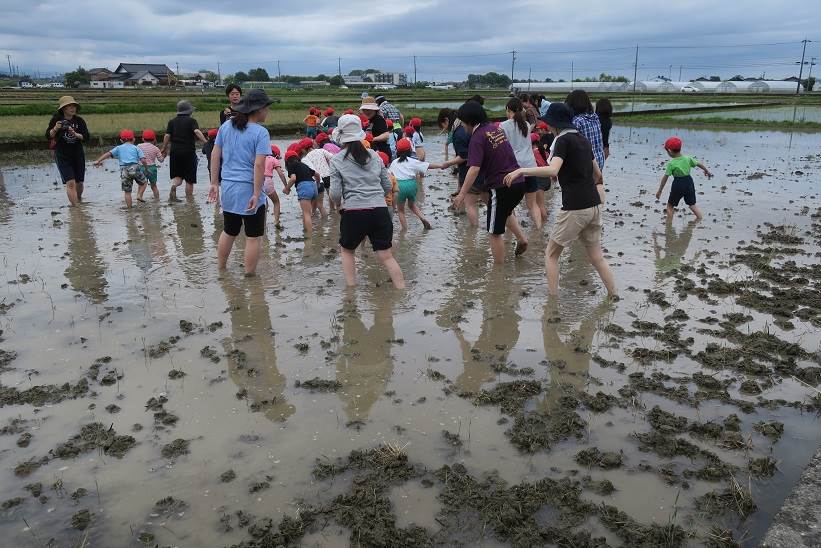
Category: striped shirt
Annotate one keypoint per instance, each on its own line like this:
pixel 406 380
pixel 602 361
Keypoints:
pixel 152 153
pixel 389 111
pixel 589 125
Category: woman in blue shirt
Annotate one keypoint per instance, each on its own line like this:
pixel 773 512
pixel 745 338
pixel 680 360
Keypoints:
pixel 238 159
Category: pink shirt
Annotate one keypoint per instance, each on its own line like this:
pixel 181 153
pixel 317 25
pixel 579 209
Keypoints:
pixel 332 148
pixel 152 153
pixel 271 164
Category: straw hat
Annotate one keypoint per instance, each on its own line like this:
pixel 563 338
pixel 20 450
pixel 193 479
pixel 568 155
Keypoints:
pixel 368 103
pixel 66 100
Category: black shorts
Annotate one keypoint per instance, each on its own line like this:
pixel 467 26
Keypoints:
pixel 503 201
pixel 326 183
pixel 478 184
pixel 544 183
pixel 184 166
pixel 374 223
pixel 254 224
pixel 683 187
pixel 532 184
pixel 71 168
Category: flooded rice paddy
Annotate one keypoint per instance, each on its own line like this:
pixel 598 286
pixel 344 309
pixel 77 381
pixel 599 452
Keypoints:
pixel 765 114
pixel 494 105
pixel 146 399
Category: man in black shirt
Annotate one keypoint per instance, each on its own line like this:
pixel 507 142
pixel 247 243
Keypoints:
pixel 572 161
pixel 181 136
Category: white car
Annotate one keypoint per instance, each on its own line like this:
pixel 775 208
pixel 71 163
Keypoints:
pixel 690 89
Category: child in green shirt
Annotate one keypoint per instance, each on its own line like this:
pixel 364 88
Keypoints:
pixel 683 187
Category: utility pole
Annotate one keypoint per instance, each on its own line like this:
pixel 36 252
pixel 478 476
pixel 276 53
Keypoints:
pixel 339 66
pixel 279 71
pixel 8 57
pixel 571 75
pixel 219 74
pixel 679 73
pixel 529 72
pixel 801 70
pixel 636 69
pixel 414 70
pixel 670 72
pixel 512 66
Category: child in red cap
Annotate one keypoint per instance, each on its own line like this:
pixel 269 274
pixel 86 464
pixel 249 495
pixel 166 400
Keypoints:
pixel 131 160
pixel 408 171
pixel 153 156
pixel 318 159
pixel 311 123
pixel 208 147
pixel 272 165
pixel 417 139
pixel 390 199
pixel 683 187
pixel 306 182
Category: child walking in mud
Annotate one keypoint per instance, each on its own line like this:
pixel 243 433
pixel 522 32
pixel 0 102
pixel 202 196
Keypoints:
pixel 683 187
pixel 131 159
pixel 407 171
pixel 306 182
pixel 153 156
pixel 272 165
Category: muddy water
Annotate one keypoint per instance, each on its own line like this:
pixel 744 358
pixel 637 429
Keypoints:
pixel 99 284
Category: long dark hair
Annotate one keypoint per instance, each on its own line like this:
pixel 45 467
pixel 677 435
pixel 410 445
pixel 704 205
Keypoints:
pixel 403 156
pixel 514 105
pixel 604 108
pixel 446 115
pixel 240 121
pixel 579 102
pixel 360 154
pixel 291 162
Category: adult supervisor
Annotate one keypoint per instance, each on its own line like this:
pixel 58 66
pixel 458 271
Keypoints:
pixel 66 133
pixel 580 178
pixel 237 172
pixel 234 94
pixel 181 136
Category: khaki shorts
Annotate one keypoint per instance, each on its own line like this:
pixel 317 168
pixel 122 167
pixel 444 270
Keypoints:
pixel 580 224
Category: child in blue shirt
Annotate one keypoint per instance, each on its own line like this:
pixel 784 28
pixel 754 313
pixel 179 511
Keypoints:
pixel 131 160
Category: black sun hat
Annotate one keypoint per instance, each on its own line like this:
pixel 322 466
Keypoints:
pixel 558 115
pixel 252 101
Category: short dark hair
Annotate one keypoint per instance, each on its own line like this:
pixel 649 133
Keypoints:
pixel 446 115
pixel 579 102
pixel 477 99
pixel 472 113
pixel 604 107
pixel 231 87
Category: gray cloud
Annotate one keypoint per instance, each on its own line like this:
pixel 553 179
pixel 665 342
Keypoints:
pixel 450 39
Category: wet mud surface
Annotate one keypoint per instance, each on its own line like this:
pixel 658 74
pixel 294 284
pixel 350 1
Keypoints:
pixel 145 399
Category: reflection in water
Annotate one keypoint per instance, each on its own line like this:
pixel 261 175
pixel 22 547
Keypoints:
pixel 675 247
pixel 251 349
pixel 365 363
pixel 146 242
pixel 86 269
pixel 569 358
pixel 190 238
pixel 5 202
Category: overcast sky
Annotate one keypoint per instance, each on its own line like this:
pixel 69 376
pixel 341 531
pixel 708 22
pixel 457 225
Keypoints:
pixel 449 38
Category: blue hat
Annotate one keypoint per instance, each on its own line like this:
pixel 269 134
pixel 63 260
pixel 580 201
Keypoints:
pixel 558 115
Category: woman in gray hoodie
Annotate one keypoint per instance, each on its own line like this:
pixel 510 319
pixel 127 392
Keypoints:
pixel 359 184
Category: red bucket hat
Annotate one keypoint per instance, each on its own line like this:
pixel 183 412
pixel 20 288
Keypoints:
pixel 149 135
pixel 126 134
pixel 291 154
pixel 384 157
pixel 673 143
pixel 349 111
pixel 416 122
pixel 321 137
pixel 275 150
pixel 534 137
pixel 306 143
pixel 212 132
pixel 409 130
pixel 329 111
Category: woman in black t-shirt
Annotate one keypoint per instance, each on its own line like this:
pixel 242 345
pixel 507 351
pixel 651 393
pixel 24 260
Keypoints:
pixel 66 133
pixel 580 178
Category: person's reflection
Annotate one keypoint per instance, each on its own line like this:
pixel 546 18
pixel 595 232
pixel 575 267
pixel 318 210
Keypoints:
pixel 86 269
pixel 5 202
pixel 190 239
pixel 675 247
pixel 365 364
pixel 569 358
pixel 251 349
pixel 145 238
pixel 498 333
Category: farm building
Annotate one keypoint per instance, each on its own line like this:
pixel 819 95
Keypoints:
pixel 567 87
pixel 771 86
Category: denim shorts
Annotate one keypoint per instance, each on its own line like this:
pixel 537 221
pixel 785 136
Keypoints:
pixel 306 190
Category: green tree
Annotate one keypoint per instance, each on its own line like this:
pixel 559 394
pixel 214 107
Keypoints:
pixel 490 79
pixel 258 74
pixel 209 76
pixel 241 77
pixel 77 78
pixel 808 83
pixel 356 73
pixel 337 81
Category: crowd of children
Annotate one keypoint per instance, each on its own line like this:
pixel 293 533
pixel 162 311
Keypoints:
pixel 500 163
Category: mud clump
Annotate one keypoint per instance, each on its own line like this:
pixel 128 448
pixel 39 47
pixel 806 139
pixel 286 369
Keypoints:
pixel 666 422
pixel 175 374
pixel 187 327
pixel 734 499
pixel 319 385
pixel 452 438
pixel 24 440
pixel 176 448
pixel 38 396
pixel 601 487
pixel 771 429
pixel 81 520
pixel 532 432
pixel 162 348
pixel 6 357
pixel 169 506
pixel 669 446
pixel 599 403
pixel 510 396
pixel 210 353
pixel 26 468
pixel 603 459
pixel 749 388
pixel 94 436
pixel 228 476
pixel 11 503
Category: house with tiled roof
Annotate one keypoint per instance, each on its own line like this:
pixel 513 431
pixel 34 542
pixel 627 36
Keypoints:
pixel 142 74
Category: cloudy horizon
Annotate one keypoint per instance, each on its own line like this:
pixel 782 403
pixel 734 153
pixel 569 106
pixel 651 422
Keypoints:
pixel 449 41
